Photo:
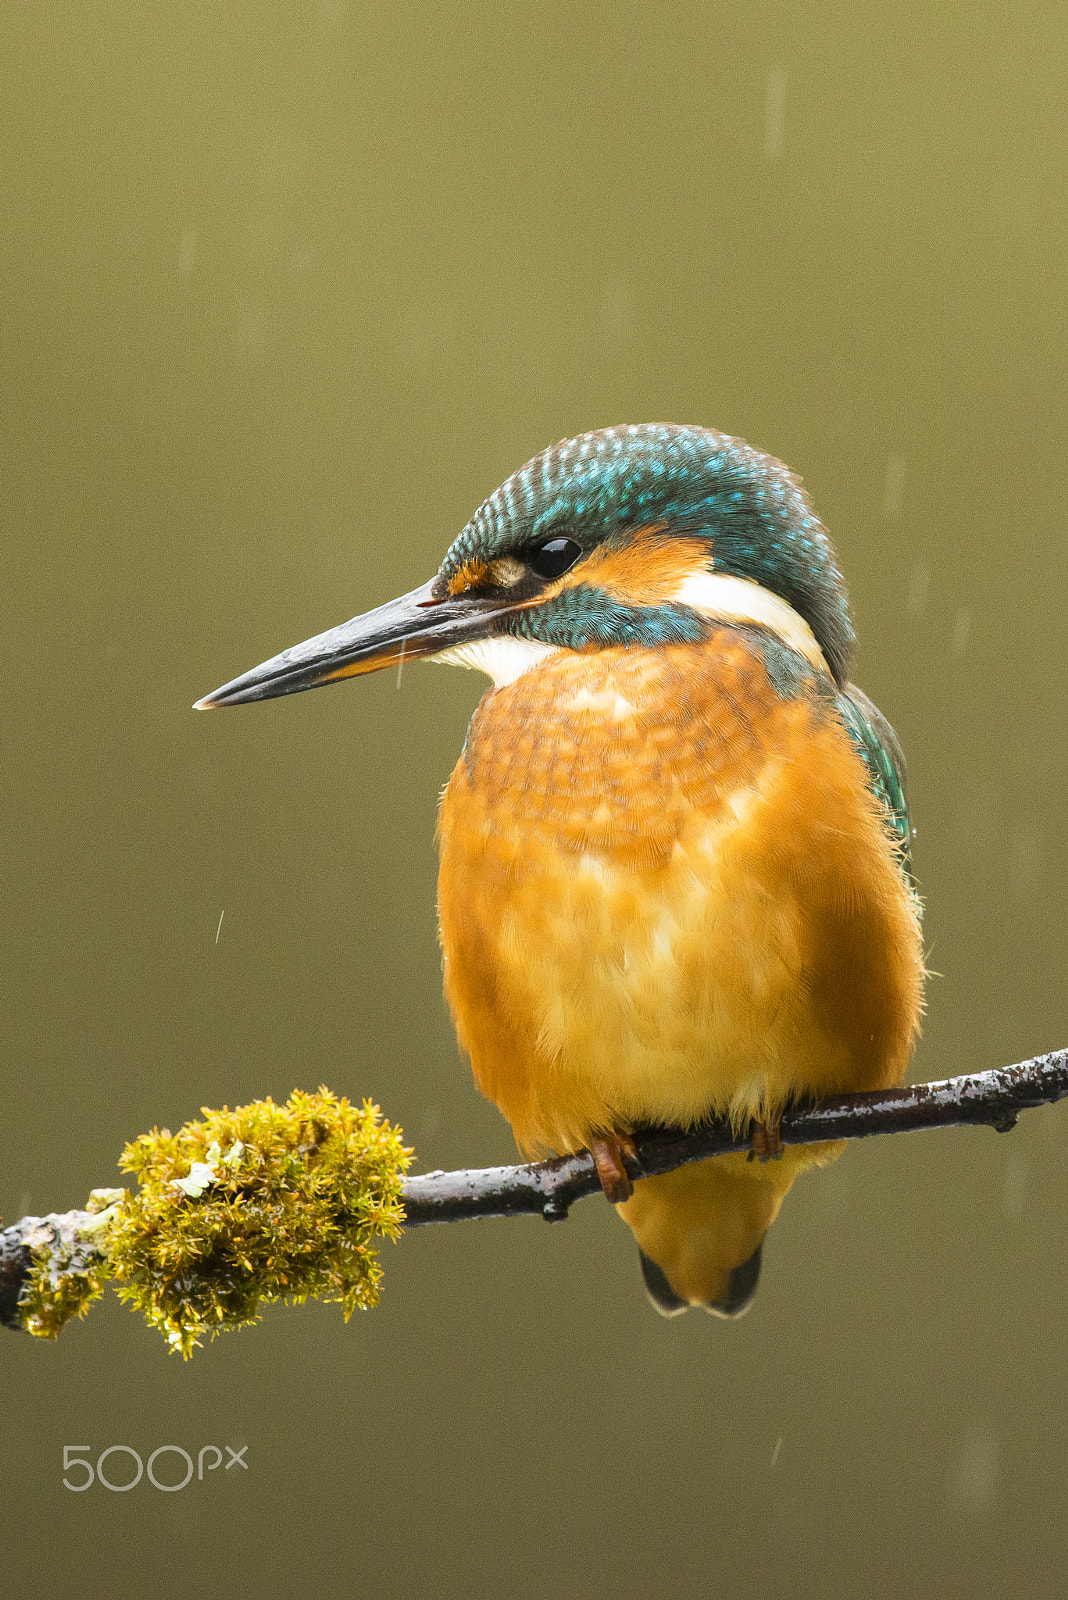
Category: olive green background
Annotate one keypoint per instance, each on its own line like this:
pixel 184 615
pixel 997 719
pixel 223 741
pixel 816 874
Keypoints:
pixel 286 290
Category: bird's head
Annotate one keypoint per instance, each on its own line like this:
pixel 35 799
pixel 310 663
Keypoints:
pixel 632 536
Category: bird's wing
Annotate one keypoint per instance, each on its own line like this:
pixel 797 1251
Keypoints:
pixel 879 749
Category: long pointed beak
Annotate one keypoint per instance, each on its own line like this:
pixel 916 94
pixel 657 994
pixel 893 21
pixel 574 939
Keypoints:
pixel 418 624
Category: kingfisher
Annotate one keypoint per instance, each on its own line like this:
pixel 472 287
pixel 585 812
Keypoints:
pixel 674 852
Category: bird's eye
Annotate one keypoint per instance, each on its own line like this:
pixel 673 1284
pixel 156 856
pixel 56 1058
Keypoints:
pixel 554 557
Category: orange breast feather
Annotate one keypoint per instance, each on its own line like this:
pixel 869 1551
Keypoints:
pixel 666 890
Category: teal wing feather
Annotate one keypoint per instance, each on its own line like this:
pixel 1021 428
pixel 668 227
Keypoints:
pixel 878 747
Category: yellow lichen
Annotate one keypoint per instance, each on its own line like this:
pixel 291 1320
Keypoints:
pixel 266 1202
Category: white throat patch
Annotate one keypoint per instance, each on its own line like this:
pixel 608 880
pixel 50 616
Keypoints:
pixel 503 658
pixel 718 595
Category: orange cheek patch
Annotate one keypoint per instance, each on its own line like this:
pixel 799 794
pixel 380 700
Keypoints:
pixel 648 571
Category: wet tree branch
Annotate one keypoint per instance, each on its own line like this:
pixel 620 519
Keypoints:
pixel 549 1188
pixel 993 1099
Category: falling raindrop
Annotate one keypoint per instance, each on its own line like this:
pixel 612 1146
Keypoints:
pixel 919 584
pixel 1025 860
pixel 617 311
pixel 430 1123
pixel 187 252
pixel 894 487
pixel 775 113
pixel 332 16
pixel 975 1476
pixel 962 627
pixel 1015 1186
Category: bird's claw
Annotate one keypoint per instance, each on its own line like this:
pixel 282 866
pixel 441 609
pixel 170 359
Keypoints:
pixel 767 1144
pixel 610 1154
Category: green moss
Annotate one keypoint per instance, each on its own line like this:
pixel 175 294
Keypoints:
pixel 50 1301
pixel 250 1206
pixel 258 1204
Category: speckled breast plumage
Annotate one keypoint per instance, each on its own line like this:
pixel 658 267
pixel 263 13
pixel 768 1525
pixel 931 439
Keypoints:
pixel 667 889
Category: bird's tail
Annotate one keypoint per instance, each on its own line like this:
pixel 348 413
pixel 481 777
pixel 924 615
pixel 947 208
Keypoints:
pixel 700 1229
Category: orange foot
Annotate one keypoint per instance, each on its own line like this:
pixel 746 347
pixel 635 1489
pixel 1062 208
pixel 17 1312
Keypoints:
pixel 610 1152
pixel 767 1145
